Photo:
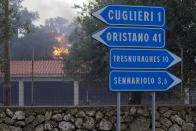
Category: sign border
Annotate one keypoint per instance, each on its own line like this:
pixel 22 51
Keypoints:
pixel 177 59
pixel 96 13
pixel 96 36
pixel 176 79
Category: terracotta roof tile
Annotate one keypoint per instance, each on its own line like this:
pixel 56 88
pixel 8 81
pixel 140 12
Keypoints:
pixel 40 67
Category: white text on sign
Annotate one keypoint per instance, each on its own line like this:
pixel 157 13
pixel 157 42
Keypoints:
pixel 132 37
pixel 132 15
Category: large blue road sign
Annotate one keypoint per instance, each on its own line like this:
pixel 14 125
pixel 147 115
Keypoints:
pixel 131 37
pixel 142 59
pixel 131 15
pixel 141 80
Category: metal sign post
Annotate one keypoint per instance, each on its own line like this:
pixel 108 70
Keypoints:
pixel 118 112
pixel 153 111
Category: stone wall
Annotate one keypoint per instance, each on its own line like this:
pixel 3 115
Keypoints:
pixel 133 118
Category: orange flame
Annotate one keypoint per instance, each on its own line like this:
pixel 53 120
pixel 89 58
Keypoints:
pixel 58 52
pixel 60 39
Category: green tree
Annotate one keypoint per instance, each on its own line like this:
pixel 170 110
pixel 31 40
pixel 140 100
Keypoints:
pixel 17 23
pixel 8 28
pixel 88 59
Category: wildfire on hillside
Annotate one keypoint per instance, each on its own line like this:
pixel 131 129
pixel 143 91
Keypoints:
pixel 62 50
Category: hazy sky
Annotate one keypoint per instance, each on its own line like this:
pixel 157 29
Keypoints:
pixel 53 8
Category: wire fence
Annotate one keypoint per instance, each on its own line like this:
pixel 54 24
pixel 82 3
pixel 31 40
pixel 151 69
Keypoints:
pixel 61 93
pixel 53 88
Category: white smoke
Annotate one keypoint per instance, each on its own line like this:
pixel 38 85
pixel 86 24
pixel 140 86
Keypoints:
pixel 50 9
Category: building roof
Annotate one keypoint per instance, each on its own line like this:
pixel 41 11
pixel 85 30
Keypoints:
pixel 41 67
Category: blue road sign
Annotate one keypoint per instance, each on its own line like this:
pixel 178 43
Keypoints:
pixel 141 80
pixel 131 37
pixel 131 15
pixel 142 59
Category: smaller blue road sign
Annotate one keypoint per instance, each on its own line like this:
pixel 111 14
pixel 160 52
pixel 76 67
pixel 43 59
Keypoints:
pixel 131 15
pixel 142 59
pixel 131 37
pixel 141 80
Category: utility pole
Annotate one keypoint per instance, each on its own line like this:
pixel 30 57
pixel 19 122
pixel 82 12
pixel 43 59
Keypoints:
pixel 182 72
pixel 7 85
pixel 32 87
